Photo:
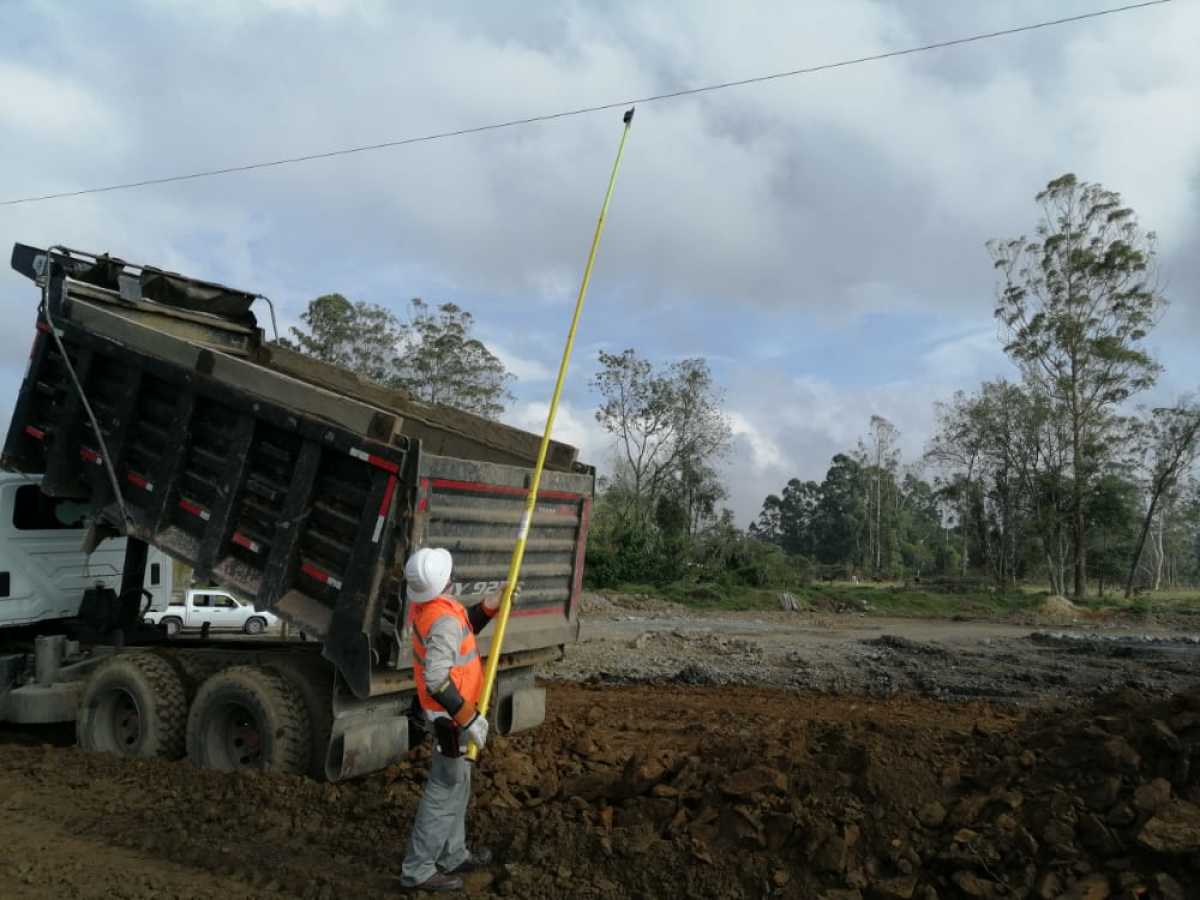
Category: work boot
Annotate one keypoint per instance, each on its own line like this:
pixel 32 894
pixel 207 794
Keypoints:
pixel 476 860
pixel 439 882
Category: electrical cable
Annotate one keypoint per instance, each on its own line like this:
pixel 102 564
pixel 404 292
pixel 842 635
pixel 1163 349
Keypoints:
pixel 271 307
pixel 54 333
pixel 583 110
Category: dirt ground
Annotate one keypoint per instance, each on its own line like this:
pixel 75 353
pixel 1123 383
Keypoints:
pixel 634 640
pixel 718 756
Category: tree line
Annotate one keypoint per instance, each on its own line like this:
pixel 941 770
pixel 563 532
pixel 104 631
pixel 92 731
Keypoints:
pixel 434 355
pixel 1053 476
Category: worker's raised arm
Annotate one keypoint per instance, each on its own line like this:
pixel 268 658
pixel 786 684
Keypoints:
pixel 481 613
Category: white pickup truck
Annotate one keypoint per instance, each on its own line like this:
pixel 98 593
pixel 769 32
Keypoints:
pixel 216 608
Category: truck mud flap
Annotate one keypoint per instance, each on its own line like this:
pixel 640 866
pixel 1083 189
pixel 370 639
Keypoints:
pixel 367 735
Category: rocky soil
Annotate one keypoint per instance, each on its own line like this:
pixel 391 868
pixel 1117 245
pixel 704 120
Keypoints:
pixel 665 791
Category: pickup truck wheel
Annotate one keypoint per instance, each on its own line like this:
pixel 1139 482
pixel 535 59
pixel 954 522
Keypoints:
pixel 172 625
pixel 255 625
pixel 248 718
pixel 135 704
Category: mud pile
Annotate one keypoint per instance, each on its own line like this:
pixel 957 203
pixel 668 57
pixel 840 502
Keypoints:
pixel 1102 803
pixel 677 792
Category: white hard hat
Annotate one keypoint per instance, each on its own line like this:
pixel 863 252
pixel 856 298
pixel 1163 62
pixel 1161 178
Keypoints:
pixel 427 573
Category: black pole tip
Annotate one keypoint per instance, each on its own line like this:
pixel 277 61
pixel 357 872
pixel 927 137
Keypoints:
pixel 629 115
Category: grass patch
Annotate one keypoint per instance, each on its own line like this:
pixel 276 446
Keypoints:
pixel 898 600
pixel 1181 602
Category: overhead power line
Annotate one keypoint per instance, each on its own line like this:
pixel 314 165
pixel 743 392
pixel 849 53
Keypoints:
pixel 583 110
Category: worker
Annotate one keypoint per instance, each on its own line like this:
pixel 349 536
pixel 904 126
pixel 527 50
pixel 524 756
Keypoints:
pixel 449 677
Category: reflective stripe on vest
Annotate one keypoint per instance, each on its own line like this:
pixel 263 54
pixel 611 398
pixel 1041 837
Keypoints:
pixel 466 671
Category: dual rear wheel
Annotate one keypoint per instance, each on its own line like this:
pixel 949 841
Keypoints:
pixel 243 717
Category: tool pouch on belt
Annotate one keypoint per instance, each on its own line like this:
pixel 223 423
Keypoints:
pixel 445 732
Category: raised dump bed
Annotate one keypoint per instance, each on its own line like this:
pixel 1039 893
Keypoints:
pixel 290 482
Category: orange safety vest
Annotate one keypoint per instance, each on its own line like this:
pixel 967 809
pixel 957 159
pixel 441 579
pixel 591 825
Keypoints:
pixel 466 673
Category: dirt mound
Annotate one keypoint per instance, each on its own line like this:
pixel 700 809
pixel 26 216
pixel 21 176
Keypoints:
pixel 1058 610
pixel 591 604
pixel 678 792
pixel 641 604
pixel 819 601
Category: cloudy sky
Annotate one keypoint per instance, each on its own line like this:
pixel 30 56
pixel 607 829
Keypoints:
pixel 819 239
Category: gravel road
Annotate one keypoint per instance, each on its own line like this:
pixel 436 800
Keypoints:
pixel 629 640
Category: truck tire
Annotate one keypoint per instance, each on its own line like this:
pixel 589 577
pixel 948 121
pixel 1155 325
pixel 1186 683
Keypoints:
pixel 173 625
pixel 135 704
pixel 249 718
pixel 255 625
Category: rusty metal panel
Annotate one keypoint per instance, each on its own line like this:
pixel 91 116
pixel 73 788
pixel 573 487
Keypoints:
pixel 473 509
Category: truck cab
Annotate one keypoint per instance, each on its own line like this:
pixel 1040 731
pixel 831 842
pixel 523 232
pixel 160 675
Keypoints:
pixel 43 567
pixel 212 607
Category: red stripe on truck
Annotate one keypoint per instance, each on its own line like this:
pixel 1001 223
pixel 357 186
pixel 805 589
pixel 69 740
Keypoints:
pixel 194 508
pixel 36 433
pixel 388 493
pixel 320 575
pixel 243 541
pixel 380 463
pixel 541 611
pixel 479 487
pixel 585 515
pixel 377 461
pixel 138 481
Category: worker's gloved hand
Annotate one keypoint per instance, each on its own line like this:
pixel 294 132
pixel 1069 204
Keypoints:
pixel 492 604
pixel 476 732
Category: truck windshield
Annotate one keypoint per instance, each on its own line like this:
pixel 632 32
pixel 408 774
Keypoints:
pixel 34 511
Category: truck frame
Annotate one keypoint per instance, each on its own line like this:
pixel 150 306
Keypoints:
pixel 154 399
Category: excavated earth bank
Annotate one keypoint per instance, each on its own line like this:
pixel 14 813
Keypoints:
pixel 662 791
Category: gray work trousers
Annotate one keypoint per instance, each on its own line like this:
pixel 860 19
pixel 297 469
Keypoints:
pixel 438 839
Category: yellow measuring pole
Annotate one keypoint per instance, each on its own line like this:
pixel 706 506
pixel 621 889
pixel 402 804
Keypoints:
pixel 514 566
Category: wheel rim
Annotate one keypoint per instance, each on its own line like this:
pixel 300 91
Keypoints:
pixel 235 738
pixel 120 722
pixel 254 626
pixel 172 627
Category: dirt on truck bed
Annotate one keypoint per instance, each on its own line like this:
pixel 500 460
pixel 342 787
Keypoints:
pixel 664 791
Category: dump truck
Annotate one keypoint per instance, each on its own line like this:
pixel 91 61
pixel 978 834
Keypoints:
pixel 156 400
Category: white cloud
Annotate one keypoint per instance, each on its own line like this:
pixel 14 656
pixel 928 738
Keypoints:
pixel 526 370
pixel 36 105
pixel 572 425
pixel 765 452
pixel 974 355
pixel 803 422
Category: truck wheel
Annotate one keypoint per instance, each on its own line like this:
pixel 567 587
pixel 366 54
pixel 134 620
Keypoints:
pixel 255 625
pixel 135 704
pixel 172 625
pixel 248 718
